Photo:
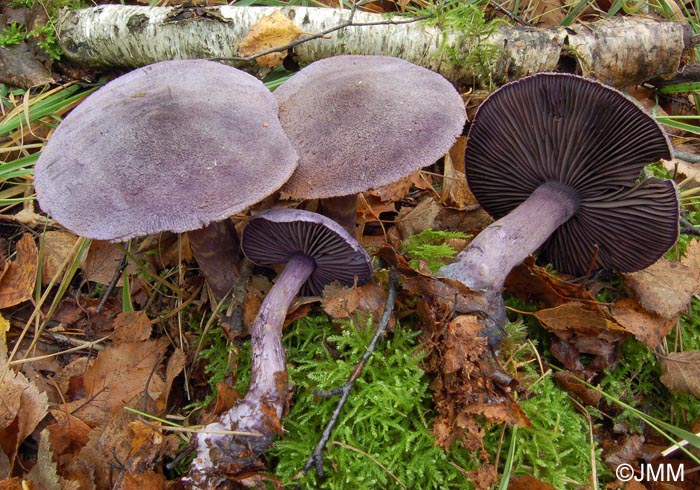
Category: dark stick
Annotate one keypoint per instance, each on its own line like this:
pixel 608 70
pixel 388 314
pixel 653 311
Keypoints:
pixel 316 457
pixel 112 284
pixel 688 228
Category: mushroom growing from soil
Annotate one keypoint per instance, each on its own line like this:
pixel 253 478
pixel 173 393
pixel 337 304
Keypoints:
pixel 556 159
pixel 174 146
pixel 360 122
pixel 316 251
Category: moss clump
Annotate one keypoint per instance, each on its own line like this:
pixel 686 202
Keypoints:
pixel 382 439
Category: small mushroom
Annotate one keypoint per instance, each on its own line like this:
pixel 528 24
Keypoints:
pixel 174 146
pixel 316 251
pixel 556 158
pixel 360 122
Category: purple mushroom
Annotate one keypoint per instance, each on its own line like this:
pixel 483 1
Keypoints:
pixel 177 146
pixel 360 122
pixel 316 251
pixel 556 159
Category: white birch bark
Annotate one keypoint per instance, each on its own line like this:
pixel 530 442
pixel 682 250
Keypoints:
pixel 619 51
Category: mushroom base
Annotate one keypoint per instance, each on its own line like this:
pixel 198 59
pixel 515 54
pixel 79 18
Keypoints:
pixel 257 416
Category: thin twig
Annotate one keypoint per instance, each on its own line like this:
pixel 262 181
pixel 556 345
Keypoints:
pixel 688 157
pixel 316 458
pixel 324 33
pixel 112 284
pixel 688 228
pixel 510 14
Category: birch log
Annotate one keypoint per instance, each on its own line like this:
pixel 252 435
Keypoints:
pixel 619 50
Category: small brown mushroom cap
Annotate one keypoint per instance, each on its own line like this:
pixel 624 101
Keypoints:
pixel 170 146
pixel 591 138
pixel 360 122
pixel 273 236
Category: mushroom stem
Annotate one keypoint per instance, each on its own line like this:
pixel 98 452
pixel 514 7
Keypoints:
pixel 489 258
pixel 342 210
pixel 259 412
pixel 216 249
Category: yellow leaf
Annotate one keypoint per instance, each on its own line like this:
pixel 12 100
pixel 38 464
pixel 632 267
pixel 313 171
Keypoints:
pixel 272 31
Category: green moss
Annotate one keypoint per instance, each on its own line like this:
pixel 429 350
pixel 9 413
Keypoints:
pixel 429 246
pixel 383 435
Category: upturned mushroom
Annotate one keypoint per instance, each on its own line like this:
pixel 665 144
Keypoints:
pixel 556 159
pixel 174 146
pixel 360 122
pixel 316 251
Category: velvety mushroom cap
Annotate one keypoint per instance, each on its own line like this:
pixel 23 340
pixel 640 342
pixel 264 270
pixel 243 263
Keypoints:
pixel 273 236
pixel 360 122
pixel 594 141
pixel 170 146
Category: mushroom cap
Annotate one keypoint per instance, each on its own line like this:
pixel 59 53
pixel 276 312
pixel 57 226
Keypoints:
pixel 273 236
pixel 554 127
pixel 171 146
pixel 361 121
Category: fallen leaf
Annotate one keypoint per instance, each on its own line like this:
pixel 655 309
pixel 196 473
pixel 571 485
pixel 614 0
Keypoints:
pixel 106 391
pixel 575 318
pixel 572 384
pixel 455 190
pixel 681 372
pixel 418 219
pixel 44 473
pixel 57 247
pixel 582 329
pixel 23 407
pixel 342 302
pixel 272 31
pixel 131 326
pixel 175 365
pixel 666 287
pixel 534 284
pixel 647 327
pixel 102 261
pixel 17 283
pixel 529 482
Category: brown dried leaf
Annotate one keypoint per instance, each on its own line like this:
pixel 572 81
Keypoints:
pixel 131 326
pixel 17 283
pixel 665 288
pixel 534 284
pixel 176 364
pixel 582 329
pixel 529 482
pixel 57 246
pixel 462 344
pixel 647 327
pixel 272 31
pixel 392 192
pixel 342 302
pixel 418 219
pixel 575 318
pixel 44 473
pixel 681 372
pixel 102 261
pixel 455 190
pixel 120 373
pixel 572 384
pixel 23 407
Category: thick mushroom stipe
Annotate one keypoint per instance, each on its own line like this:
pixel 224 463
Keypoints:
pixel 483 269
pixel 316 252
